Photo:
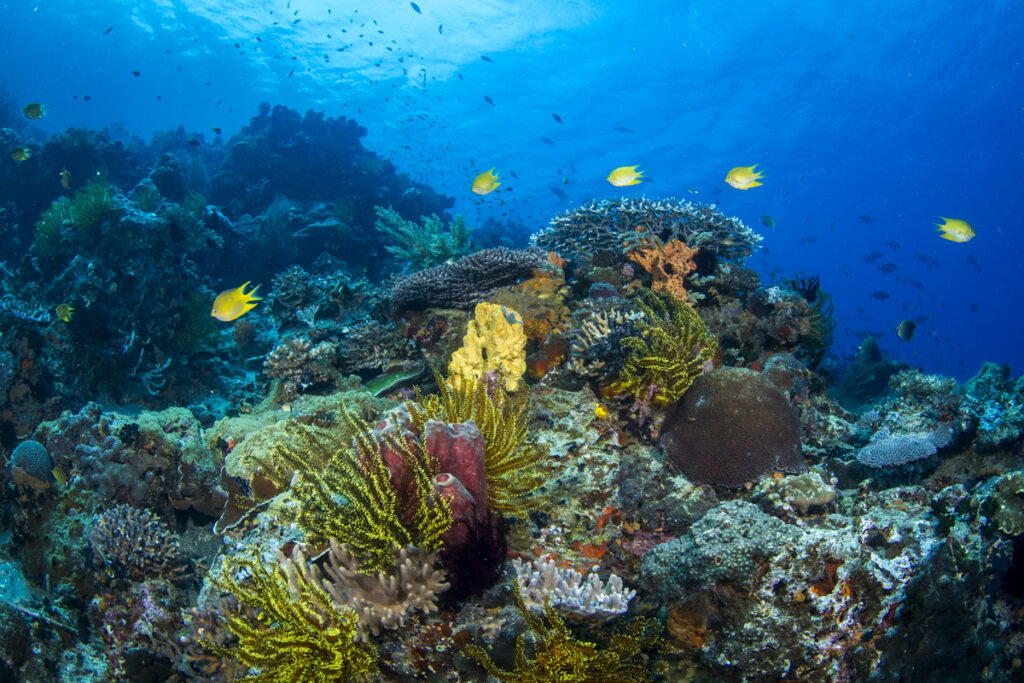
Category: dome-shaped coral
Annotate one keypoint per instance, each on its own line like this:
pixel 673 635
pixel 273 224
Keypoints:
pixel 730 427
pixel 32 457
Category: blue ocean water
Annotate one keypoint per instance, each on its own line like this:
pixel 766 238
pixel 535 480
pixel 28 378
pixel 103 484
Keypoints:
pixel 870 121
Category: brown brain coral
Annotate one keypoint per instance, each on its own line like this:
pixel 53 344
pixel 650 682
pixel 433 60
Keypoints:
pixel 730 427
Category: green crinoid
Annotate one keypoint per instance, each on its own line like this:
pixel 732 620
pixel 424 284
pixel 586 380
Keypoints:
pixel 670 349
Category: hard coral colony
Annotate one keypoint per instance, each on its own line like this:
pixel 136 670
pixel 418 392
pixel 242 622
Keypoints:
pixel 612 455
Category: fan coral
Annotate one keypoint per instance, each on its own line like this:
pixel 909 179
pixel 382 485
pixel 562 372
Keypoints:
pixel 425 244
pixel 383 600
pixel 292 630
pixel 558 656
pixel 134 543
pixel 466 282
pixel 494 342
pixel 730 427
pixel 671 348
pixel 609 225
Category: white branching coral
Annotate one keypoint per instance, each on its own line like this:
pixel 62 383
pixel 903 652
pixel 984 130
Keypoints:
pixel 380 600
pixel 579 598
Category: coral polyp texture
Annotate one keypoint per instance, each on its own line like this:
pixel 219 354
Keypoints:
pixel 730 427
pixel 134 544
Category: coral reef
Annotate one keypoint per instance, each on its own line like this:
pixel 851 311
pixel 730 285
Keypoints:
pixel 731 427
pixel 134 543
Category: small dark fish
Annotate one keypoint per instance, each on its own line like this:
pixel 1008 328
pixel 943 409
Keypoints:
pixel 974 262
pixel 623 129
pixel 290 73
pixel 928 261
pixel 109 29
pixel 194 142
pixel 86 97
pixel 460 77
pixel 865 218
pixel 489 100
pixel 807 239
pixel 559 193
pixel 487 59
pixel 440 28
pixel 893 244
pixel 513 174
pixel 136 73
pixel 415 7
pixel 872 257
pixel 887 268
pixel 547 141
pixel 906 330
pixel 974 307
pixel 556 117
pixel 216 130
pixel 768 221
pixel 880 295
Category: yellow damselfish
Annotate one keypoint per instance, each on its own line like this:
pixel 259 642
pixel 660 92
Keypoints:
pixel 625 175
pixel 486 182
pixel 955 230
pixel 64 312
pixel 743 177
pixel 600 412
pixel 234 303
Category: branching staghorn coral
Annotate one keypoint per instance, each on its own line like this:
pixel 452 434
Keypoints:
pixel 289 628
pixel 383 600
pixel 558 656
pixel 672 347
pixel 425 244
pixel 512 476
pixel 346 492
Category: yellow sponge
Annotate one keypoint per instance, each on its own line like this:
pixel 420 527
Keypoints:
pixel 494 341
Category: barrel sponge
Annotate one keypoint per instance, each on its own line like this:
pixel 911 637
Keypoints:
pixel 731 426
pixel 495 341
pixel 32 458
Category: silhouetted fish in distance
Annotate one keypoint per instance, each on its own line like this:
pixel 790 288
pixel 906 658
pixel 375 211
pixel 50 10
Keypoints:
pixel 880 295
pixel 865 218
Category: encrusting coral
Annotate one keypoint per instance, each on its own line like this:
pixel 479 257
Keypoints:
pixel 671 348
pixel 558 656
pixel 289 627
pixel 494 341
